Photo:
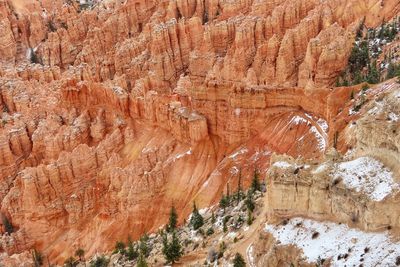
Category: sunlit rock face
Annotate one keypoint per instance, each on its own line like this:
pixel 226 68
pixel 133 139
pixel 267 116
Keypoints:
pixel 112 111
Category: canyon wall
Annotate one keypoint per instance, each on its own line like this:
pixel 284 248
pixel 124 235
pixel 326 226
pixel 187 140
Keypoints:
pixel 110 115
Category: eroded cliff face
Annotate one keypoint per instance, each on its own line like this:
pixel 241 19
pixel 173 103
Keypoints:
pixel 139 105
pixel 357 190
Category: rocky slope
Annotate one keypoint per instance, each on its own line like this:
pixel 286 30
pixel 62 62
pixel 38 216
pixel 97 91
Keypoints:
pixel 112 113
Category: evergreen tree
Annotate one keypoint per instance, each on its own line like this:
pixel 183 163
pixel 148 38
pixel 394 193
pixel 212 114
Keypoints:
pixel 359 57
pixel 250 217
pixel 360 30
pixel 70 262
pixel 398 75
pixel 392 71
pixel 143 247
pixel 7 225
pixel 358 78
pixel 196 220
pixel 239 192
pixel 212 217
pixel 141 261
pixel 255 183
pixel 80 253
pixel 224 222
pixel 34 58
pixel 173 219
pixel 100 261
pixel 172 250
pixel 224 202
pixel 249 201
pixel 238 261
pixel 132 252
pixel 119 248
pixel 37 258
pixel 373 74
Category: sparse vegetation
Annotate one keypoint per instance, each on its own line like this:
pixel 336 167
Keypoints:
pixel 362 64
pixel 173 219
pixel 99 261
pixel 7 225
pixel 238 261
pixel 37 258
pixel 172 250
pixel 119 248
pixel 141 261
pixel 80 253
pixel 255 183
pixel 70 262
pixel 34 58
pixel 132 251
pixel 196 220
pixel 315 235
pixel 210 231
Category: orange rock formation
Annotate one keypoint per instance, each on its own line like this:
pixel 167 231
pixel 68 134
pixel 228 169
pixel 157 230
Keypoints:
pixel 140 105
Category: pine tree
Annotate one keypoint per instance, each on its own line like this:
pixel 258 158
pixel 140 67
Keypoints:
pixel 172 250
pixel 196 220
pixel 37 258
pixel 373 74
pixel 224 222
pixel 132 252
pixel 250 217
pixel 212 217
pixel 239 190
pixel 173 219
pixel 70 262
pixel 80 253
pixel 7 225
pixel 143 247
pixel 100 261
pixel 238 261
pixel 392 71
pixel 224 202
pixel 255 183
pixel 249 201
pixel 119 248
pixel 141 261
pixel 34 58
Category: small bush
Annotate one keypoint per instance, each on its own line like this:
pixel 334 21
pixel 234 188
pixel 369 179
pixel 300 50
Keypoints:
pixel 100 261
pixel 210 231
pixel 315 235
pixel 398 261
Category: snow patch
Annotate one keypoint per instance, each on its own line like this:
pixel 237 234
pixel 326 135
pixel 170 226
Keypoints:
pixel 366 175
pixel 298 120
pixel 393 117
pixel 320 169
pixel 323 124
pixel 282 164
pixel 319 137
pixel 239 152
pixel 189 152
pixel 334 241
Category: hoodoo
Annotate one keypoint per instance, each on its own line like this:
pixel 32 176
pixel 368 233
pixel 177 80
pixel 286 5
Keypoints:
pixel 199 133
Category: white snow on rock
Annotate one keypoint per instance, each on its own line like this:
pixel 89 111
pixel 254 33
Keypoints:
pixel 319 137
pixel 320 169
pixel 298 120
pixel 323 124
pixel 366 175
pixel 393 117
pixel 345 246
pixel 282 164
pixel 189 152
pixel 239 152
